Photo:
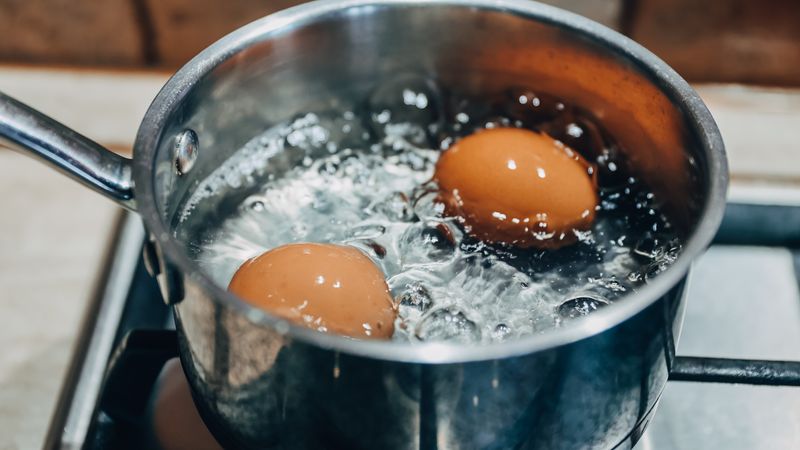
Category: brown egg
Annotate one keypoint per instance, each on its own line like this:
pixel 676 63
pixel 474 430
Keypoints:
pixel 325 287
pixel 517 187
pixel 176 423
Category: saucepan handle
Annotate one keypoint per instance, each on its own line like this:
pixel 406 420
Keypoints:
pixel 77 156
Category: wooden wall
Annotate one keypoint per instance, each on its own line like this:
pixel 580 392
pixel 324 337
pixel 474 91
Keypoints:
pixel 754 41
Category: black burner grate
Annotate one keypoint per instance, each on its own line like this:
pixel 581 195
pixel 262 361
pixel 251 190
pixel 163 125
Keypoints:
pixel 144 341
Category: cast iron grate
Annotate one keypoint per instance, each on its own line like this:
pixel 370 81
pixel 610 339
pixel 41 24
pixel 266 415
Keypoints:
pixel 115 416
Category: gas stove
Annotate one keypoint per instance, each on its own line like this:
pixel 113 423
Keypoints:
pixel 744 303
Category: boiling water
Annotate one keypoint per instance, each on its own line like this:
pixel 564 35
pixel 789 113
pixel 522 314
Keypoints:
pixel 362 177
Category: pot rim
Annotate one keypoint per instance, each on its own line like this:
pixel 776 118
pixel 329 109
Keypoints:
pixel 675 87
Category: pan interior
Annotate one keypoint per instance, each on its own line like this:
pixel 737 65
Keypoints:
pixel 337 61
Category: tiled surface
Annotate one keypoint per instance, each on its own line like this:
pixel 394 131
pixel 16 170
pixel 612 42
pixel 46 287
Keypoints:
pixel 52 232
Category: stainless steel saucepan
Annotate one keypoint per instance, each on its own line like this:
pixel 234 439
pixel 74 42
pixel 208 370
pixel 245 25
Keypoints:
pixel 262 383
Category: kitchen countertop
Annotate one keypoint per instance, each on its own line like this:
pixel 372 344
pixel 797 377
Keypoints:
pixel 53 233
pixel 53 236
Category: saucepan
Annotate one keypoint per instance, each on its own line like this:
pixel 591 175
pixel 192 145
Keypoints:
pixel 260 382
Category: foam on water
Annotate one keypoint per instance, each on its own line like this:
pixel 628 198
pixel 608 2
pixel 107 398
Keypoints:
pixel 362 179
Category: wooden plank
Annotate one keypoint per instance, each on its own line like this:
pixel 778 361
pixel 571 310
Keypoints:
pixel 181 28
pixel 68 31
pixel 607 12
pixel 761 130
pixel 741 41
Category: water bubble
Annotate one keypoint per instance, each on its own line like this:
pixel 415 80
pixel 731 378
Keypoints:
pixel 663 261
pixel 426 202
pixel 635 276
pixel 496 122
pixel 446 143
pixel 579 134
pixel 396 207
pixel 404 108
pixel 299 230
pixel 368 186
pixel 661 253
pixel 330 166
pixel 610 174
pixel 428 243
pixel 382 117
pixel 531 109
pixel 501 332
pixel 307 133
pixel 378 249
pixel 465 116
pixel 322 202
pixel 580 306
pixel 404 136
pixel 374 250
pixel 368 231
pixel 649 247
pixel 653 270
pixel 414 295
pixel 574 130
pixel 412 291
pixel 255 204
pixel 417 159
pixel 448 324
pixel 610 284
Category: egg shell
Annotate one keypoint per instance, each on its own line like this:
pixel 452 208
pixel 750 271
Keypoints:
pixel 519 187
pixel 327 287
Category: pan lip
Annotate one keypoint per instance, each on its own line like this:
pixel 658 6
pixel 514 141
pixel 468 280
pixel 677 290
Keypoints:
pixel 668 81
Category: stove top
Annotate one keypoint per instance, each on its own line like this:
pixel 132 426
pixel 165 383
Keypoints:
pixel 744 302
